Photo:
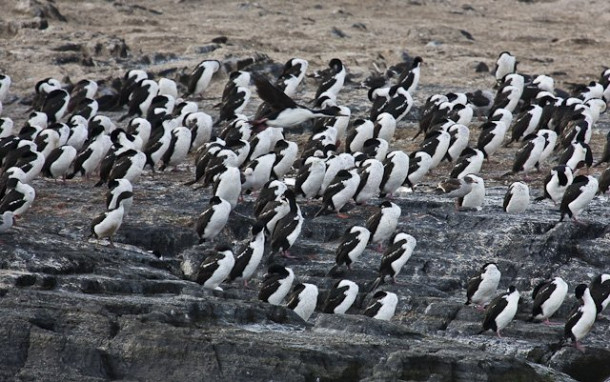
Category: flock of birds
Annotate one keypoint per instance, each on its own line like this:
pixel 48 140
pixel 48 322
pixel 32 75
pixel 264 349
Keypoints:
pixel 340 162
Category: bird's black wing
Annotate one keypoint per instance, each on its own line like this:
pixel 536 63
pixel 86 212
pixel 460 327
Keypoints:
pixel 335 298
pixel 349 242
pixel 269 286
pixel 497 305
pixel 208 267
pixel 293 297
pixel 473 285
pixel 276 98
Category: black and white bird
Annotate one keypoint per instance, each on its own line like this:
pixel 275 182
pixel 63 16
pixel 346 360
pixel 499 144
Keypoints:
pixel 292 75
pixel 275 210
pixel 287 230
pixel 88 160
pixel 286 154
pixel 179 146
pixel 383 306
pixel 235 103
pixel 131 79
pixel 482 287
pixel 395 171
pixel 528 156
pixel 216 268
pixel 517 198
pixel 455 187
pixel 399 104
pixel 394 258
pixel 526 124
pixel 303 300
pixel 353 243
pixel 334 164
pixel 460 135
pixel 258 172
pixel 575 155
pixel 548 297
pixel 128 165
pixel 141 98
pixel 18 197
pixel 550 138
pixel 436 145
pixel 200 124
pixel 120 191
pixel 5 85
pixel 371 173
pixel 249 256
pixel 600 291
pixel 577 197
pixel 58 162
pixel 285 113
pixel 419 165
pixel 200 78
pixel 505 64
pixel 469 162
pixel 501 311
pixel 384 127
pixel 557 182
pixel 383 223
pixel 310 177
pixel 332 82
pixel 272 190
pixel 227 185
pixel 276 284
pixel 339 192
pixel 84 89
pixel 491 137
pixel 341 297
pixel 107 223
pixel 7 128
pixel 409 79
pixel 581 319
pixel 476 197
pixel 55 104
pixel 361 131
pixel 213 219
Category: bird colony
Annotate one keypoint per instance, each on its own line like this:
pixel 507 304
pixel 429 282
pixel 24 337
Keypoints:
pixel 347 160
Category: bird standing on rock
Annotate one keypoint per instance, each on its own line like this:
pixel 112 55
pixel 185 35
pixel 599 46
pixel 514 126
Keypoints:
pixel 482 287
pixel 383 306
pixel 501 311
pixel 213 219
pixel 216 268
pixel 353 243
pixel 383 223
pixel 303 300
pixel 577 197
pixel 581 319
pixel 517 198
pixel 341 297
pixel 548 297
pixel 394 258
pixel 276 284
pixel 106 224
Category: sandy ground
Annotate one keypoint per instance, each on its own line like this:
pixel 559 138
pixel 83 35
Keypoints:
pixel 566 39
